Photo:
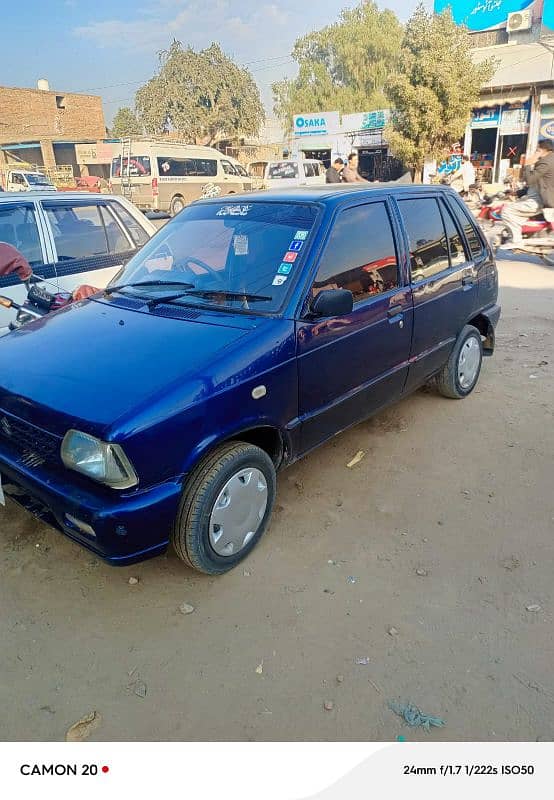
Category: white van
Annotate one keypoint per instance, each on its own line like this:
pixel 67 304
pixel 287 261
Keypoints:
pixel 166 176
pixel 287 172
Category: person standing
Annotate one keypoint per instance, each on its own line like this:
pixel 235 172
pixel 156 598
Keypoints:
pixel 538 173
pixel 334 172
pixel 350 173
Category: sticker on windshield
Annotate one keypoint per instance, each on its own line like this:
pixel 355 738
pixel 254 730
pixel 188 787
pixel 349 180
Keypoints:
pixel 240 245
pixel 279 280
pixel 296 245
pixel 284 269
pixel 290 257
pixel 233 211
pixel 303 235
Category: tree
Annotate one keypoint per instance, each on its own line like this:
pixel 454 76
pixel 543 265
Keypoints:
pixel 343 66
pixel 125 123
pixel 435 88
pixel 203 96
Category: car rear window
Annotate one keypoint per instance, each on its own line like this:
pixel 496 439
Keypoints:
pixel 428 244
pixel 473 238
pixel 282 169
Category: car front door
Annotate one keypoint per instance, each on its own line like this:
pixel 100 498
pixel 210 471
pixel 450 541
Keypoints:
pixel 90 242
pixel 444 284
pixel 22 227
pixel 351 366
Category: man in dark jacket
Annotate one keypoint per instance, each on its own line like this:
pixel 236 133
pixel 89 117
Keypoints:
pixel 538 173
pixel 333 174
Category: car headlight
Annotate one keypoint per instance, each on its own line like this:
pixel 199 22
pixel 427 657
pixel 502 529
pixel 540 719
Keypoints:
pixel 101 461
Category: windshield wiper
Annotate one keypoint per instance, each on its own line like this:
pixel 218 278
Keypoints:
pixel 183 284
pixel 228 295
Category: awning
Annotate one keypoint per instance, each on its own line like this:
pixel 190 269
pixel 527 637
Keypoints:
pixel 501 98
pixel 24 146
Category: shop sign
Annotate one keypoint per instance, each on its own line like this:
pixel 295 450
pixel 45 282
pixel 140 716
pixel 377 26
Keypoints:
pixel 365 121
pixel 515 118
pixel 485 117
pixel 324 122
pixel 481 15
pixel 547 127
pixel 95 153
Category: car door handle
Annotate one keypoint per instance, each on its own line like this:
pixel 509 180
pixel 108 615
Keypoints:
pixel 395 311
pixel 468 280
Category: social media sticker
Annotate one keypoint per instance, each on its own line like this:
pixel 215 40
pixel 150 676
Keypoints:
pixel 284 269
pixel 296 245
pixel 302 235
pixel 279 280
pixel 290 258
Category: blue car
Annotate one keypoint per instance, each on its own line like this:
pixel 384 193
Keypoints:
pixel 244 334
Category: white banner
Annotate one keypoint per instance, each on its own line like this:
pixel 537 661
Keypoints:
pixel 278 771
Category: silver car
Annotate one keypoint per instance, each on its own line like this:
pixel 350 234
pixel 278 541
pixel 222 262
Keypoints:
pixel 69 238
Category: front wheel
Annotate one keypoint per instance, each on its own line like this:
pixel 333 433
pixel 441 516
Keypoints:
pixel 225 508
pixel 460 374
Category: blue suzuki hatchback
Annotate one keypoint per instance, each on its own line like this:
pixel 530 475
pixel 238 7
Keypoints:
pixel 243 335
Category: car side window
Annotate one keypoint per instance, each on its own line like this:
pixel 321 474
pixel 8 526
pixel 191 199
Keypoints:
pixel 117 241
pixel 137 233
pixel 18 227
pixel 228 168
pixel 456 247
pixel 473 238
pixel 427 237
pixel 360 254
pixel 309 170
pixel 78 230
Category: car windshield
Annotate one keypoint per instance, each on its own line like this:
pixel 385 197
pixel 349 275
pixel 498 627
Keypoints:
pixel 226 250
pixel 38 180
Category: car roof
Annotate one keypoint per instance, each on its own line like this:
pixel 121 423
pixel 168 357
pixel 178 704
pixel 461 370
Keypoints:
pixel 334 193
pixel 11 197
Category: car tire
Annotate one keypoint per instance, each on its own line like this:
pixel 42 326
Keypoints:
pixel 459 376
pixel 227 482
pixel 177 204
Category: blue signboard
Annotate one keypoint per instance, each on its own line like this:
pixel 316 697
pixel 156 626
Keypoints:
pixel 479 15
pixel 486 117
pixel 548 18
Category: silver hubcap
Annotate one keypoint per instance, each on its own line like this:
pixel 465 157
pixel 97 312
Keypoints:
pixel 468 363
pixel 238 511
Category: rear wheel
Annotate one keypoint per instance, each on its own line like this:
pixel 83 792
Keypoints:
pixel 225 508
pixel 460 374
pixel 177 204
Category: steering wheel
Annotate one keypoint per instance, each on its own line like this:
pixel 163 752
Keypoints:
pixel 182 267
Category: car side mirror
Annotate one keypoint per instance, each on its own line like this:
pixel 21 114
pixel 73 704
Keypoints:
pixel 332 303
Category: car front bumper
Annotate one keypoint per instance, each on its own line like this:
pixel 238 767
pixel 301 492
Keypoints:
pixel 124 527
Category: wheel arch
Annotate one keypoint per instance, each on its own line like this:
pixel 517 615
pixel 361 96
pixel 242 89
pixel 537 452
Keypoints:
pixel 486 329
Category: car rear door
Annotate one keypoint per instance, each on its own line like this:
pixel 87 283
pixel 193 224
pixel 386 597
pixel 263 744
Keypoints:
pixel 351 366
pixel 443 280
pixel 91 243
pixel 22 226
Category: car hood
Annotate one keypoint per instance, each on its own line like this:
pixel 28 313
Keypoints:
pixel 94 362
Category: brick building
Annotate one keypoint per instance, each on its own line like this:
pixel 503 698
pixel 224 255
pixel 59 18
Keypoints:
pixel 46 128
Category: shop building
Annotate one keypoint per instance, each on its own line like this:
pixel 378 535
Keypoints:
pixel 516 106
pixel 327 135
pixel 47 129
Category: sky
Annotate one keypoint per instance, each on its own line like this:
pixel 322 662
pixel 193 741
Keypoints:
pixel 110 47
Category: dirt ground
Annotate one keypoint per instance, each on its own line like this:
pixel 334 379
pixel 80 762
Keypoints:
pixel 461 492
